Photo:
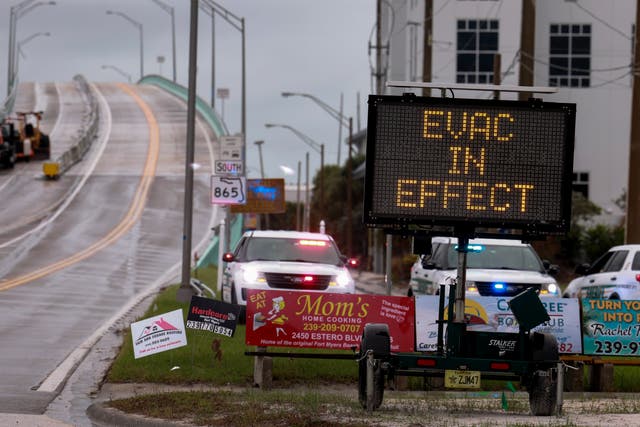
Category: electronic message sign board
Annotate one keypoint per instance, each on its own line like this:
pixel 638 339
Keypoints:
pixel 469 163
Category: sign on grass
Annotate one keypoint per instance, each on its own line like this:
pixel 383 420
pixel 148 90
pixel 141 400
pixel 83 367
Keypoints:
pixel 215 316
pixel 326 321
pixel 159 333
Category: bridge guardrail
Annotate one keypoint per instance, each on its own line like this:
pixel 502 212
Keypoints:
pixel 86 135
pixel 210 255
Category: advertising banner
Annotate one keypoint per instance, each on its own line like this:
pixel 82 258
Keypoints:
pixel 327 321
pixel 611 327
pixel 493 314
pixel 215 316
pixel 159 333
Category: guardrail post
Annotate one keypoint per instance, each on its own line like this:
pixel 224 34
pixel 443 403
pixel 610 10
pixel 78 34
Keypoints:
pixel 263 370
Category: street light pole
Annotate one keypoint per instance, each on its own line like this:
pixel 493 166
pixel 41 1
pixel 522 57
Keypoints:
pixel 23 42
pixel 185 292
pixel 259 144
pixel 15 13
pixel 119 71
pixel 171 13
pixel 239 24
pixel 138 25
pixel 317 147
pixel 342 120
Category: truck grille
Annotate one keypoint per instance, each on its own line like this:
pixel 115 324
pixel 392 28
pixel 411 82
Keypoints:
pixel 511 289
pixel 296 281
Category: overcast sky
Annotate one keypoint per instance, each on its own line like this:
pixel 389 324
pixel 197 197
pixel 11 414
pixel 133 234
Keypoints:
pixel 313 46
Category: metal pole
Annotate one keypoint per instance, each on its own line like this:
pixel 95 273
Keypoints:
pixel 259 144
pixel 387 268
pixel 321 180
pixel 306 199
pixel 221 250
pixel 141 52
pixel 298 223
pixel 173 44
pixel 340 124
pixel 461 279
pixel 349 195
pixel 427 45
pixel 213 61
pixel 244 83
pixel 185 292
pixel 11 48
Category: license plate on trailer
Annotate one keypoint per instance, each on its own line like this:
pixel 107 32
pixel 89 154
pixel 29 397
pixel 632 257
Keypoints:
pixel 461 379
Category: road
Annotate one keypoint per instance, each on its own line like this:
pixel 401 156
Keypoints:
pixel 78 252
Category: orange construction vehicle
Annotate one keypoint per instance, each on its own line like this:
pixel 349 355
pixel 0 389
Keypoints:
pixel 31 142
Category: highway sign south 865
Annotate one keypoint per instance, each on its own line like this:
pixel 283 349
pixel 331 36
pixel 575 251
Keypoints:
pixel 228 190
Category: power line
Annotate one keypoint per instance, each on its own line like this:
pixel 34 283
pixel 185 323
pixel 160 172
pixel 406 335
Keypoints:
pixel 590 70
pixel 602 21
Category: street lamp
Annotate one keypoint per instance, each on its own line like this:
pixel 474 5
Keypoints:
pixel 348 123
pixel 16 12
pixel 170 11
pixel 237 23
pixel 138 25
pixel 119 71
pixel 313 144
pixel 25 41
pixel 259 144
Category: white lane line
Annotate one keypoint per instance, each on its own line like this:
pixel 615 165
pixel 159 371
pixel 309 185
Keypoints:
pixel 106 114
pixel 56 380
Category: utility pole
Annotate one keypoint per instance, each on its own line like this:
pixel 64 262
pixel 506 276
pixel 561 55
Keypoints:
pixel 632 229
pixel 379 82
pixel 527 46
pixel 427 53
pixel 497 74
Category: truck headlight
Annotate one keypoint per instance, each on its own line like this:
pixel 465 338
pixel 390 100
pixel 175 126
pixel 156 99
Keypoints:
pixel 549 289
pixel 251 275
pixel 343 279
pixel 471 287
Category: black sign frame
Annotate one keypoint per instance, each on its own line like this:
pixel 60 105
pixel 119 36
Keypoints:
pixel 407 221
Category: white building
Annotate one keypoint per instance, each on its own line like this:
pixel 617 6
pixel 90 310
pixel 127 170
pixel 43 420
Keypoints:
pixel 584 47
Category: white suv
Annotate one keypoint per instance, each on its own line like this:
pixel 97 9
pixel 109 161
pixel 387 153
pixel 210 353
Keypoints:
pixel 285 260
pixel 495 267
pixel 615 275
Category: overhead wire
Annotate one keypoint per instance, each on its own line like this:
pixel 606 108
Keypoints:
pixel 602 21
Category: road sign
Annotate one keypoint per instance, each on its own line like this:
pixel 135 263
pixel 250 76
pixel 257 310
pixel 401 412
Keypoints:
pixel 467 162
pixel 222 92
pixel 263 196
pixel 229 167
pixel 231 148
pixel 228 190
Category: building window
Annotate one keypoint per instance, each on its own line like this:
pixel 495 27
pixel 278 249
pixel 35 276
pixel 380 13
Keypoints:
pixel 581 183
pixel 570 55
pixel 477 46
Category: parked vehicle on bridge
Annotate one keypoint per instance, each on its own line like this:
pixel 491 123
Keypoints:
pixel 285 260
pixel 495 267
pixel 614 275
pixel 26 140
pixel 9 137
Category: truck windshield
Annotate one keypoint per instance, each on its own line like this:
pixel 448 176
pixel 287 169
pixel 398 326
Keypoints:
pixel 498 257
pixel 298 250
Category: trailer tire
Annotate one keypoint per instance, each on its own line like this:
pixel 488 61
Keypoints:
pixel 375 337
pixel 543 393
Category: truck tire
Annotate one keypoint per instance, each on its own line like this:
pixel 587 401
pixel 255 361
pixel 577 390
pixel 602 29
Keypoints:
pixel 375 337
pixel 543 392
pixel 543 389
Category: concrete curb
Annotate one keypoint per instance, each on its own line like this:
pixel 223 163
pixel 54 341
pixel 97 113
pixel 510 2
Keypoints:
pixel 103 415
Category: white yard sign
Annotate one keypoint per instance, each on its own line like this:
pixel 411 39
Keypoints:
pixel 494 314
pixel 159 333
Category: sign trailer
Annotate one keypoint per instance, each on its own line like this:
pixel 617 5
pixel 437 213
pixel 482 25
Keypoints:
pixel 468 167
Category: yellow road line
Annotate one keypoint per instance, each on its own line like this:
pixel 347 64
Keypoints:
pixel 131 217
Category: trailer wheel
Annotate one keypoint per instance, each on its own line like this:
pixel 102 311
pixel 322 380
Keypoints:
pixel 376 338
pixel 543 393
